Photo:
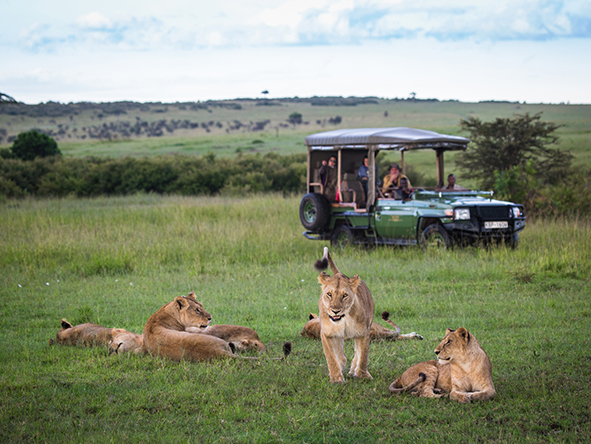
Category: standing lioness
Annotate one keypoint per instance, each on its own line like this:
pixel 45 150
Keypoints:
pixel 346 311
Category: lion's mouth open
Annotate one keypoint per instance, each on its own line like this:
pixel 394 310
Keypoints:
pixel 336 318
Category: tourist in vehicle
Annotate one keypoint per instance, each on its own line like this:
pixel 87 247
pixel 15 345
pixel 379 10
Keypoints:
pixel 405 189
pixel 329 177
pixel 392 180
pixel 363 175
pixel 451 184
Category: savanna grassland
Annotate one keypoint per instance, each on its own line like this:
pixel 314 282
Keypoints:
pixel 115 261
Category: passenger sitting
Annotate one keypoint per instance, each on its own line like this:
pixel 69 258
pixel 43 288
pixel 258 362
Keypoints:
pixel 405 190
pixel 392 180
pixel 451 184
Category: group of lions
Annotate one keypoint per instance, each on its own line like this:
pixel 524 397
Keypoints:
pixel 178 330
pixel 463 370
pixel 181 330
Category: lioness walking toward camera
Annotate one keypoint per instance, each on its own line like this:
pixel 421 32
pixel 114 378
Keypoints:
pixel 376 332
pixel 463 370
pixel 346 311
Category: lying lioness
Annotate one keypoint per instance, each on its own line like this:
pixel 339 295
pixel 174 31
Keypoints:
pixel 463 370
pixel 243 338
pixel 165 335
pixel 125 342
pixel 312 330
pixel 85 335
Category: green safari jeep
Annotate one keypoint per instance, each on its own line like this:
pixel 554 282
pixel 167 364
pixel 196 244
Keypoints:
pixel 429 217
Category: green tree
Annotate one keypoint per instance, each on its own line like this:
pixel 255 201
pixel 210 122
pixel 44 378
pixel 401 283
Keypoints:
pixel 295 118
pixel 506 143
pixel 32 144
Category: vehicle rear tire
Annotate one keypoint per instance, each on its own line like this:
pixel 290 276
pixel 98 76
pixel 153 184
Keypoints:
pixel 342 236
pixel 435 237
pixel 314 211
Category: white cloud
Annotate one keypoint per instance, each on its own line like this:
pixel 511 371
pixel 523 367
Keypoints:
pixel 94 20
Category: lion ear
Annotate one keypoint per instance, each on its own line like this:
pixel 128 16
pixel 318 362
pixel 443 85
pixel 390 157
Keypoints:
pixel 313 316
pixel 323 278
pixel 463 333
pixel 181 302
pixel 192 295
pixel 66 324
pixel 448 331
pixel 354 283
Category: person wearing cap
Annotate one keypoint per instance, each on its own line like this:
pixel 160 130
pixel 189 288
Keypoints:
pixel 392 180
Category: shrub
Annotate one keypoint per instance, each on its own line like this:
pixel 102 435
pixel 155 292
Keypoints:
pixel 32 144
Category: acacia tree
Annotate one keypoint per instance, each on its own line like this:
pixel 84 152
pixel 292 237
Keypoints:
pixel 506 143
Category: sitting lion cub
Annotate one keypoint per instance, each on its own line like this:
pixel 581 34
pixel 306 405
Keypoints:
pixel 463 370
pixel 346 311
pixel 165 335
pixel 312 330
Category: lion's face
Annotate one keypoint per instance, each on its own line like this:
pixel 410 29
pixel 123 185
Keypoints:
pixel 125 342
pixel 453 346
pixel 338 295
pixel 191 313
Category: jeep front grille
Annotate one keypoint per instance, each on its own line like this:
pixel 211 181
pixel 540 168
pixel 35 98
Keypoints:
pixel 494 212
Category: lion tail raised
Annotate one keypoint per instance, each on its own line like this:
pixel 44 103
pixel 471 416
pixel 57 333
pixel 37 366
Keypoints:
pixel 322 264
pixel 386 317
pixel 396 386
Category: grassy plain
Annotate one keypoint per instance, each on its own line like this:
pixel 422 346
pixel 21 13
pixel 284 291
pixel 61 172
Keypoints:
pixel 224 141
pixel 115 261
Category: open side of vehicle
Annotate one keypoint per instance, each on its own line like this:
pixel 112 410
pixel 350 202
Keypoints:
pixel 431 218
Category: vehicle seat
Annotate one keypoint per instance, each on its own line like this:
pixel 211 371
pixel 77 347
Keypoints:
pixel 351 190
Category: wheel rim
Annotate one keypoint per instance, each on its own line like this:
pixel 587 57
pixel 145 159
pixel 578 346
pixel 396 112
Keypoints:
pixel 343 239
pixel 309 212
pixel 436 241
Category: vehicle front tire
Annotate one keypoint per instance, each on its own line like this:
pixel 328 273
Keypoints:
pixel 314 211
pixel 434 237
pixel 513 241
pixel 342 236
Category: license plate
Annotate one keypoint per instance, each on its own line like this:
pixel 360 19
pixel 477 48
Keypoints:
pixel 500 224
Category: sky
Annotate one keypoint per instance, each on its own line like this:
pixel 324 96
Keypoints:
pixel 534 51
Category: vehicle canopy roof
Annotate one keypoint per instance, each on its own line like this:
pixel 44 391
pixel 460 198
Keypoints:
pixel 400 138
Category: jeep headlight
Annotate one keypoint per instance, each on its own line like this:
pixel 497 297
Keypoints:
pixel 516 212
pixel 462 214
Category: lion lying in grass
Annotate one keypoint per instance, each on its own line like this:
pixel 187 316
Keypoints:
pixel 244 338
pixel 84 335
pixel 463 371
pixel 312 330
pixel 165 335
pixel 346 311
pixel 124 341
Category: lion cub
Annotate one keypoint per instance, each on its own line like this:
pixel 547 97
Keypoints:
pixel 85 335
pixel 125 342
pixel 463 370
pixel 346 311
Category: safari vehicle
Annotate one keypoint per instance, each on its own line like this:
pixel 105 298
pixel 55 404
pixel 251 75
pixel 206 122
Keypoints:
pixel 430 217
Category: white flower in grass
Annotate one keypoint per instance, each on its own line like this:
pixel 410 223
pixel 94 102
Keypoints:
pixel 20 286
pixel 131 283
pixel 47 283
pixel 302 280
pixel 116 280
pixel 285 308
pixel 232 278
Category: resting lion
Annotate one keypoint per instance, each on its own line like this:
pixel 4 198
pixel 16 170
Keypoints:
pixel 346 311
pixel 85 335
pixel 312 330
pixel 463 370
pixel 243 338
pixel 125 342
pixel 165 335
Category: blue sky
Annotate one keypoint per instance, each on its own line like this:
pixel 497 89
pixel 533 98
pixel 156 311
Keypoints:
pixel 181 50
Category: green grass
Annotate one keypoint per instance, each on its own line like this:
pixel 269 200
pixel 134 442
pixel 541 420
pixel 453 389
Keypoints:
pixel 115 261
